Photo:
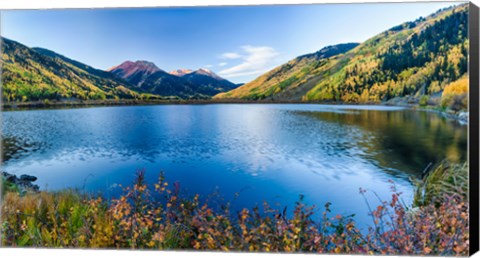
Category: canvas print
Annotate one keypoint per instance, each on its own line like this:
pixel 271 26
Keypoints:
pixel 321 128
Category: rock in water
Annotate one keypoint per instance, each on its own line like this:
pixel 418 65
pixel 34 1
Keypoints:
pixel 28 178
pixel 463 117
pixel 9 177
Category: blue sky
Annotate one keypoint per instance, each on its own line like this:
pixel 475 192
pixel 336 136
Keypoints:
pixel 238 43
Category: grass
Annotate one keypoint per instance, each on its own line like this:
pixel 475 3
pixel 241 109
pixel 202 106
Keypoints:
pixel 446 179
pixel 158 217
pixel 8 187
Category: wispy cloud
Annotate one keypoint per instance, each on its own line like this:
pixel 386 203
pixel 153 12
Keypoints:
pixel 255 60
pixel 208 66
pixel 230 55
pixel 222 64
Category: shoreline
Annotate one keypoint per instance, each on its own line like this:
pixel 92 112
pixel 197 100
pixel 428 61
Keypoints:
pixel 460 116
pixel 12 106
pixel 135 102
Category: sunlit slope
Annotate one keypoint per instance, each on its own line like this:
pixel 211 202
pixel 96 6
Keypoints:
pixel 293 79
pixel 32 75
pixel 412 59
pixel 417 58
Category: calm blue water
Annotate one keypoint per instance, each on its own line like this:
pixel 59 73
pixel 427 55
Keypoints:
pixel 263 152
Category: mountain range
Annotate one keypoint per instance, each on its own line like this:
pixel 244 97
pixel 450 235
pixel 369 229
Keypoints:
pixel 421 59
pixel 415 59
pixel 183 83
pixel 36 74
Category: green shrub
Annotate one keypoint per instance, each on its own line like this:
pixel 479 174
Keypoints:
pixel 8 187
pixel 423 101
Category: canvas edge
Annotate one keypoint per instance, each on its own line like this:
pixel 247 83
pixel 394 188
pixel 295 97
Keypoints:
pixel 1 118
pixel 474 84
pixel 474 127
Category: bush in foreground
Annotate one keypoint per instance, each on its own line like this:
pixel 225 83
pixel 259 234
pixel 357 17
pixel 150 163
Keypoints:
pixel 160 218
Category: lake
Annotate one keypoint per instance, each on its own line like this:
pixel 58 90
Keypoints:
pixel 243 153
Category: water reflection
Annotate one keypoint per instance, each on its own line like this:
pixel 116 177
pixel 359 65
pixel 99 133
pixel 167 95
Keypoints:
pixel 404 140
pixel 15 148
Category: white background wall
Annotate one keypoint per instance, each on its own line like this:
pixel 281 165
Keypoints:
pixel 35 4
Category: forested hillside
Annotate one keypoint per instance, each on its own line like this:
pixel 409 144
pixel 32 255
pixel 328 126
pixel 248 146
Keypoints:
pixel 418 59
pixel 32 75
pixel 291 80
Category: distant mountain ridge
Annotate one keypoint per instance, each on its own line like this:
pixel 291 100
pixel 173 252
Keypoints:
pixel 134 72
pixel 208 82
pixel 181 72
pixel 200 71
pixel 183 83
pixel 209 73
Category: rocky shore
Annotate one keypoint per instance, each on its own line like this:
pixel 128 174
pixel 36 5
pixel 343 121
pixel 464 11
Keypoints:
pixel 461 117
pixel 24 183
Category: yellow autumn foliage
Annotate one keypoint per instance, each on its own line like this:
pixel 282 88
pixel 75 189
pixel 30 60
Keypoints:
pixel 455 95
pixel 459 86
